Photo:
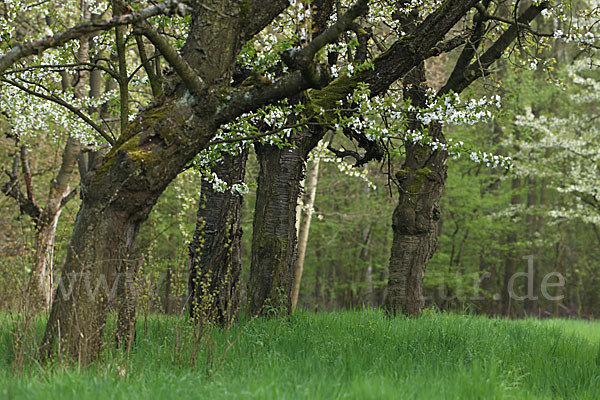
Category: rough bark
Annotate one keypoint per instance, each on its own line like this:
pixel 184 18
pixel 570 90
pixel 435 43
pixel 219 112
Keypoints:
pixel 215 259
pixel 274 227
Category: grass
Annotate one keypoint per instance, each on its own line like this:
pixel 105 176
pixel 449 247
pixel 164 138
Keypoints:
pixel 342 355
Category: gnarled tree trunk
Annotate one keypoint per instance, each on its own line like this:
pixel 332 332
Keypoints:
pixel 415 220
pixel 117 196
pixel 215 257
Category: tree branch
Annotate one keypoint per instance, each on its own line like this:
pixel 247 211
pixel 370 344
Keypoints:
pixel 155 84
pixel 123 80
pixel 11 189
pixel 302 59
pixel 55 99
pixel 305 73
pixel 187 74
pixel 479 67
pixel 470 49
pixel 29 48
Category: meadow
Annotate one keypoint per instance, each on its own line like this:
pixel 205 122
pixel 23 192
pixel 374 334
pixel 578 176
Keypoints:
pixel 341 355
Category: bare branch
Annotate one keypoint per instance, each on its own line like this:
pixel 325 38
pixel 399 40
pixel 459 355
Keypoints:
pixel 155 84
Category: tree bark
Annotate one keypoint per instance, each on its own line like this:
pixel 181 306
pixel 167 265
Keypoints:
pixel 42 272
pixel 274 229
pixel 215 257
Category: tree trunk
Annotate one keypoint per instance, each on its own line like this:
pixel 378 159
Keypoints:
pixel 215 257
pixel 312 179
pixel 533 227
pixel 415 220
pixel 487 282
pixel 274 227
pixel 366 288
pixel 117 195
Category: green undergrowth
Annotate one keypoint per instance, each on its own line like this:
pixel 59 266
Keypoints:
pixel 341 355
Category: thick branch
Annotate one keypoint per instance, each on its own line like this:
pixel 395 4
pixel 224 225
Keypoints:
pixel 242 101
pixel 480 66
pixel 60 185
pixel 258 12
pixel 408 52
pixel 303 59
pixel 306 74
pixel 27 49
pixel 469 51
pixel 184 70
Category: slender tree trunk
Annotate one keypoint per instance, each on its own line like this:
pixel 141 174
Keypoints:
pixel 170 293
pixel 487 284
pixel 532 222
pixel 312 180
pixel 215 257
pixel 560 268
pixel 367 275
pixel 319 292
pixel 415 220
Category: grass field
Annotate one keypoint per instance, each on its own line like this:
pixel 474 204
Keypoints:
pixel 342 355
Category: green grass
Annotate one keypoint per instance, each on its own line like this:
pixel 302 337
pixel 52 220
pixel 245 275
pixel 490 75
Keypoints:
pixel 342 355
